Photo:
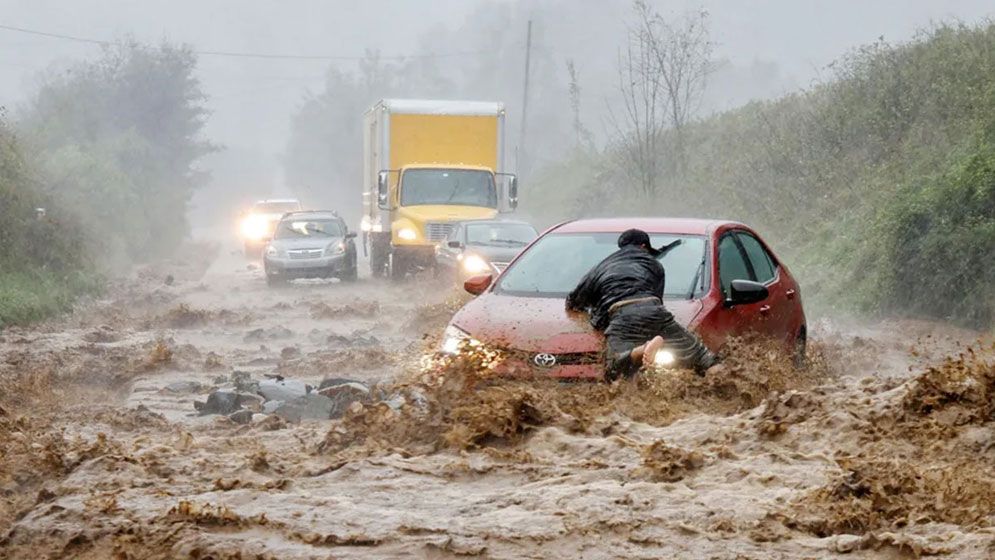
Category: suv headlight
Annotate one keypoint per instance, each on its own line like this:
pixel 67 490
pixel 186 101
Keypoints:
pixel 272 251
pixel 454 338
pixel 475 265
pixel 336 248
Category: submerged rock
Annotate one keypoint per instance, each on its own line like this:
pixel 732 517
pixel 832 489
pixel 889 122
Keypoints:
pixel 344 394
pixel 283 389
pixel 218 402
pixel 241 417
pixel 308 407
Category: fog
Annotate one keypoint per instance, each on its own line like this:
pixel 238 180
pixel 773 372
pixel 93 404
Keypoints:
pixel 762 49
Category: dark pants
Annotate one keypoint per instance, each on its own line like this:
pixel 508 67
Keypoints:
pixel 636 324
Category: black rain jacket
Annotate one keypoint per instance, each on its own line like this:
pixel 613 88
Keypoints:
pixel 629 273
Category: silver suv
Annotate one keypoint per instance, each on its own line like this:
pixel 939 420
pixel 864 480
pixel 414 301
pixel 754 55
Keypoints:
pixel 311 244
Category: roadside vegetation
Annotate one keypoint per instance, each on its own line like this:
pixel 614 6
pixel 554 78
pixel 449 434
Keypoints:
pixel 877 185
pixel 108 148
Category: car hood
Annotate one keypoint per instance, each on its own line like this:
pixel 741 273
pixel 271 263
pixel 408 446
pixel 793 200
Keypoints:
pixel 494 254
pixel 294 243
pixel 535 324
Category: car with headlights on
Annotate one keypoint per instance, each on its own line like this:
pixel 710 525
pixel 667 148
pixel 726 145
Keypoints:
pixel 311 244
pixel 476 247
pixel 722 281
pixel 259 222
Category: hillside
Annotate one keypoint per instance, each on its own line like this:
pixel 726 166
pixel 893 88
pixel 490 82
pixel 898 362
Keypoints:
pixel 877 186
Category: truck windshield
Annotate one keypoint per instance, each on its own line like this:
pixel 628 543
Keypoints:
pixel 461 187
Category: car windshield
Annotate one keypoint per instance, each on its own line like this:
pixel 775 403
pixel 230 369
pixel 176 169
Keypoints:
pixel 556 263
pixel 464 187
pixel 292 229
pixel 500 235
pixel 276 207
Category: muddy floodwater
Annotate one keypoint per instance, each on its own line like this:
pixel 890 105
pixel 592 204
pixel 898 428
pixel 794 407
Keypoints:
pixel 884 447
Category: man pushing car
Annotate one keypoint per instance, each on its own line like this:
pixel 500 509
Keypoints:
pixel 624 296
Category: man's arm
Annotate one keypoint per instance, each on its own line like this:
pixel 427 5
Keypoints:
pixel 583 295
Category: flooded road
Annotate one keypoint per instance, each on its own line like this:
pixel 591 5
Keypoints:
pixel 883 448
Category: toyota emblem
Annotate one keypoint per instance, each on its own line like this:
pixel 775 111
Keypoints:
pixel 544 360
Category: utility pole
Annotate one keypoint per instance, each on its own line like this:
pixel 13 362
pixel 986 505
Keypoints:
pixel 521 155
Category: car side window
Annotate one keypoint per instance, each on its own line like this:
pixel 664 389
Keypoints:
pixel 763 264
pixel 732 266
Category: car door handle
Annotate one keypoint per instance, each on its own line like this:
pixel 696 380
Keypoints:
pixel 764 309
pixel 790 294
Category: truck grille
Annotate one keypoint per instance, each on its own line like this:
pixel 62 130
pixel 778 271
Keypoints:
pixel 305 254
pixel 438 231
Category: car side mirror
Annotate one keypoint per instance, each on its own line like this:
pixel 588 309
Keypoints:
pixel 476 285
pixel 745 292
pixel 455 244
pixel 513 192
pixel 383 190
pixel 350 235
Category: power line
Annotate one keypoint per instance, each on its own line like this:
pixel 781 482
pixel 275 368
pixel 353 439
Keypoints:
pixel 234 54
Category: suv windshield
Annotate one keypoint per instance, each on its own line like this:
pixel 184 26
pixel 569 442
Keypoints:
pixel 556 263
pixel 500 235
pixel 302 227
pixel 276 207
pixel 464 187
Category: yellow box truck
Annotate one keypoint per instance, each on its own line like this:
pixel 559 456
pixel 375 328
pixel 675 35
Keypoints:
pixel 427 165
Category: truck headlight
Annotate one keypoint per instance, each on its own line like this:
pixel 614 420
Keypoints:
pixel 407 234
pixel 664 358
pixel 454 338
pixel 475 265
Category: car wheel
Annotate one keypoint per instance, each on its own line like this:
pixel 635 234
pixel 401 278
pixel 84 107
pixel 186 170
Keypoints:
pixel 351 273
pixel 801 342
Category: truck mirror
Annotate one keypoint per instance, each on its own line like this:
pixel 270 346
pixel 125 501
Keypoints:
pixel 383 189
pixel 455 245
pixel 513 192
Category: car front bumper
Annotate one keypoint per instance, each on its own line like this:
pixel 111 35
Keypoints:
pixel 317 267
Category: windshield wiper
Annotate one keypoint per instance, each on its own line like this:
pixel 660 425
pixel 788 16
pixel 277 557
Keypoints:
pixel 697 275
pixel 452 195
pixel 509 241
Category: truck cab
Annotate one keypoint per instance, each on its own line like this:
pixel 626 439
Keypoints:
pixel 430 164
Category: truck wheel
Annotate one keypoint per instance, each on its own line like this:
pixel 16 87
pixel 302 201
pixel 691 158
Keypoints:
pixel 378 260
pixel 398 267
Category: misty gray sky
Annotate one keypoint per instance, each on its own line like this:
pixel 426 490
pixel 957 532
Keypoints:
pixel 774 45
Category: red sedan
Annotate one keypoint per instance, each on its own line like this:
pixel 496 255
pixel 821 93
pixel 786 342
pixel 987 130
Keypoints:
pixel 722 281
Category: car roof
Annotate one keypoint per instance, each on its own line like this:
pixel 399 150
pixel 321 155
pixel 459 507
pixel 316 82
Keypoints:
pixel 689 226
pixel 313 214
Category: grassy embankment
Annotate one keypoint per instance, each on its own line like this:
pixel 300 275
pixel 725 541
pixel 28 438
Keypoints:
pixel 877 186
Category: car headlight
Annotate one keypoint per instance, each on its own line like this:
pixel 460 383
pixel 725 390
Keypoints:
pixel 475 265
pixel 407 234
pixel 664 358
pixel 254 227
pixel 454 338
pixel 272 251
pixel 335 248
